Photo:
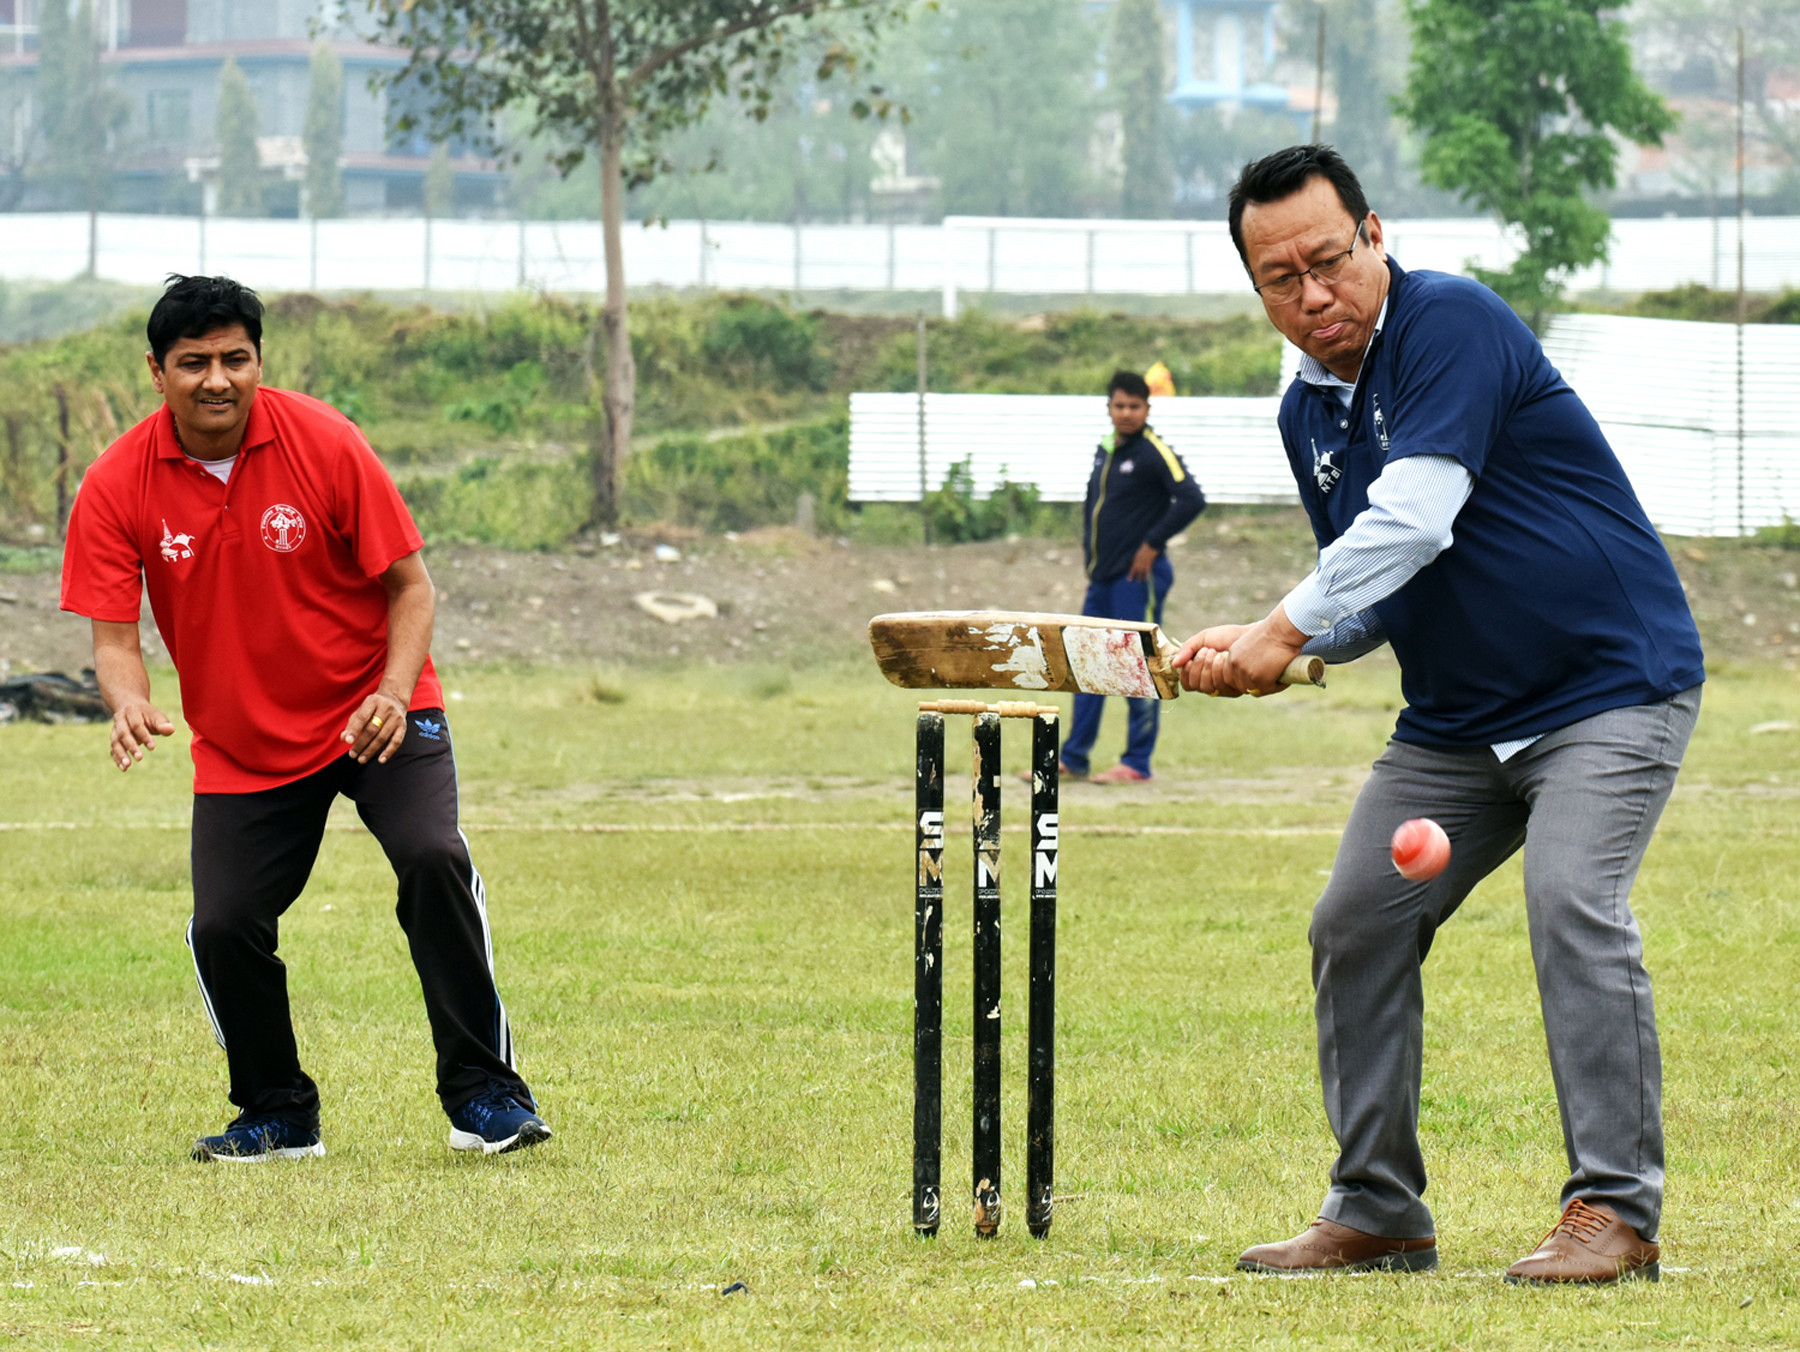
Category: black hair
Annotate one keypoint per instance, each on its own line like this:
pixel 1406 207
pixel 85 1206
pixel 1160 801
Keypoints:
pixel 1129 381
pixel 192 307
pixel 1286 172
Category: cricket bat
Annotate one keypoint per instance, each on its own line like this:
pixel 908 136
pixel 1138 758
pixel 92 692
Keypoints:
pixel 1024 650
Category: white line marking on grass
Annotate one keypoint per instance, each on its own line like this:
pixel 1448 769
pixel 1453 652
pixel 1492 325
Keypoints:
pixel 242 1279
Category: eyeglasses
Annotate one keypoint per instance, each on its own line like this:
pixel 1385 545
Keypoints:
pixel 1327 272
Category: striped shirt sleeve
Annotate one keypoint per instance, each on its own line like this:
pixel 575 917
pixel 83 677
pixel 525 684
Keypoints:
pixel 1412 508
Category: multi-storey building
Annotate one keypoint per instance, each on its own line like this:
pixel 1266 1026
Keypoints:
pixel 165 56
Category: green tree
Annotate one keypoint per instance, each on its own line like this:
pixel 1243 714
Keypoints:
pixel 240 163
pixel 1003 99
pixel 1517 101
pixel 82 113
pixel 613 80
pixel 1134 74
pixel 323 135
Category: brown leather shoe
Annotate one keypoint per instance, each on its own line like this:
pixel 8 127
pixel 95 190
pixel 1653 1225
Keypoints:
pixel 1589 1244
pixel 1326 1246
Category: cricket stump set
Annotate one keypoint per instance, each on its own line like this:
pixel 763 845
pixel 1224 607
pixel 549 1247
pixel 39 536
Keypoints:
pixel 1019 652
pixel 928 967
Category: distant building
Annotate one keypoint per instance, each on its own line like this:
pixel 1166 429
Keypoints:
pixel 1222 53
pixel 165 56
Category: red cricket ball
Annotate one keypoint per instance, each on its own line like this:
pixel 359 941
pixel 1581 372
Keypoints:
pixel 1421 849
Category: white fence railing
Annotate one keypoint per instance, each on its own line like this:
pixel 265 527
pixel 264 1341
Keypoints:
pixel 1666 394
pixel 999 254
pixel 963 256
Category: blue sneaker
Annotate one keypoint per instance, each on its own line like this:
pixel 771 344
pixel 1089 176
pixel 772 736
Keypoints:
pixel 253 1139
pixel 495 1122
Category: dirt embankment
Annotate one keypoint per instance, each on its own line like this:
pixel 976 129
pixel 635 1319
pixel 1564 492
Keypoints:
pixel 786 598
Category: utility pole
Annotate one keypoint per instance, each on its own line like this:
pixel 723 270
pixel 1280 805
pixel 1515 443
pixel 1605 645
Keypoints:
pixel 1319 80
pixel 1740 280
pixel 924 506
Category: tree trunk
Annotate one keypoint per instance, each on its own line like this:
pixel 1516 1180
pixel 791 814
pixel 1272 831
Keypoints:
pixel 62 461
pixel 612 435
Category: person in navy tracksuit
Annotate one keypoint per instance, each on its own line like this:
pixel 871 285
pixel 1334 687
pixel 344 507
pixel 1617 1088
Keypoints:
pixel 1138 495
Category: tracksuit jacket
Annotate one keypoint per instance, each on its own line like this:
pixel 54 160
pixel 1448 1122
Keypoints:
pixel 1138 493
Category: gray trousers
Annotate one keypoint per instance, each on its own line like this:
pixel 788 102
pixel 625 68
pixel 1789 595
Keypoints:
pixel 1583 801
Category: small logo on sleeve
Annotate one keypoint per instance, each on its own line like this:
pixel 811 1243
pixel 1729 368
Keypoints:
pixel 429 728
pixel 283 528
pixel 1381 432
pixel 175 547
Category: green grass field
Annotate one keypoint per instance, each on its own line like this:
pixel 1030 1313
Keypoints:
pixel 701 895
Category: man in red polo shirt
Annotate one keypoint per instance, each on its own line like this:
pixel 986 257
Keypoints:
pixel 285 577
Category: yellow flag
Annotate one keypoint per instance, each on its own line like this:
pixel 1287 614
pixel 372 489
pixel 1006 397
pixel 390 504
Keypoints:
pixel 1161 382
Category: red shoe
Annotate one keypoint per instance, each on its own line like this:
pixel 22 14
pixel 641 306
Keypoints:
pixel 1120 774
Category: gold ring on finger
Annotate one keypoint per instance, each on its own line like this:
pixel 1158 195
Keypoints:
pixel 375 722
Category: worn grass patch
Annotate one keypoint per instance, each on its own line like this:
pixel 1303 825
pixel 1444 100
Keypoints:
pixel 717 1020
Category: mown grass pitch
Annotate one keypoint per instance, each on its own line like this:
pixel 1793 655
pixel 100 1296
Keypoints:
pixel 700 891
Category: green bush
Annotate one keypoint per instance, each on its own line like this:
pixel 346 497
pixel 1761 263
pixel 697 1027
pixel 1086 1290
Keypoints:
pixel 1696 302
pixel 546 330
pixel 957 515
pixel 521 505
pixel 742 480
pixel 503 409
pixel 1784 536
pixel 1785 310
pixel 762 343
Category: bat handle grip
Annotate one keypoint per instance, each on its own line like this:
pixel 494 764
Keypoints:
pixel 1305 671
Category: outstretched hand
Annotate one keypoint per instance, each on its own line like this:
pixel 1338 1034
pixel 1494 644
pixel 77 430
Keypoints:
pixel 136 726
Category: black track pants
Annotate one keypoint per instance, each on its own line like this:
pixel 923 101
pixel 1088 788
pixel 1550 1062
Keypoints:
pixel 252 854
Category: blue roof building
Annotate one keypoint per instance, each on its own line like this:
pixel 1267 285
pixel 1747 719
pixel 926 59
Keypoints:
pixel 1222 53
pixel 1225 54
pixel 165 57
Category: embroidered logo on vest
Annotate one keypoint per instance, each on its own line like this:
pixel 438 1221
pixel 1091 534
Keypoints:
pixel 1325 473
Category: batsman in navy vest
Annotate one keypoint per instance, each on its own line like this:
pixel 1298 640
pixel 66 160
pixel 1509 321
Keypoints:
pixel 1469 513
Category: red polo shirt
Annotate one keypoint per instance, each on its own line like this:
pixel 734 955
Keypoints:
pixel 267 589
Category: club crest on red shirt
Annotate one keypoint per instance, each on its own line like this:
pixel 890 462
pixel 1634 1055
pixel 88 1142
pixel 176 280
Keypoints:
pixel 283 528
pixel 176 547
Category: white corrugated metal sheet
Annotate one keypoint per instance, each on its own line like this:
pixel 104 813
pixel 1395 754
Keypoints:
pixel 1664 392
pixel 1230 445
